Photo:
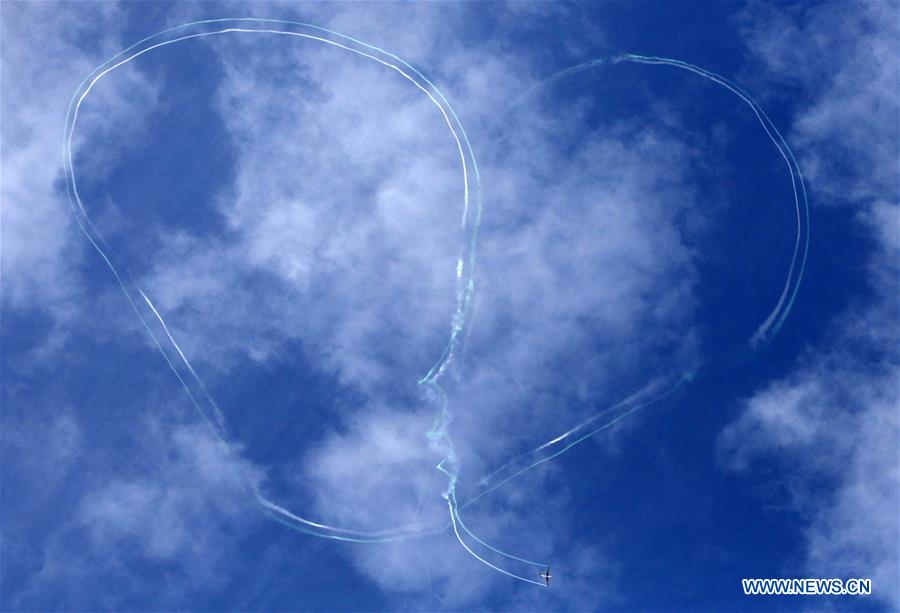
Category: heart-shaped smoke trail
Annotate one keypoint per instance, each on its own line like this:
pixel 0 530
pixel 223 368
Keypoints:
pixel 439 435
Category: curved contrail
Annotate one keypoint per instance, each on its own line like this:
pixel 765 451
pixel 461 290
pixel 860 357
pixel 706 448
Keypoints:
pixel 154 322
pixel 765 332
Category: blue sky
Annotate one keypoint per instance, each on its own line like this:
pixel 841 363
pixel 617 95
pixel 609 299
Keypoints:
pixel 292 211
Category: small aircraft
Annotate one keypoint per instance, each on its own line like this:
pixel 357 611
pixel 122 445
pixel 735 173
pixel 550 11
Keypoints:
pixel 546 576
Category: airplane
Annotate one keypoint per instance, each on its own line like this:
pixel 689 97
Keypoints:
pixel 546 576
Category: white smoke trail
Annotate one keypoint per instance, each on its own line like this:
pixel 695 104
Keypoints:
pixel 469 223
pixel 455 519
pixel 491 547
pixel 766 330
pixel 780 312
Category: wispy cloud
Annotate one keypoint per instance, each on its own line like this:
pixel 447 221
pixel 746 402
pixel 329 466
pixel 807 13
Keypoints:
pixel 180 506
pixel 832 424
pixel 45 56
pixel 844 61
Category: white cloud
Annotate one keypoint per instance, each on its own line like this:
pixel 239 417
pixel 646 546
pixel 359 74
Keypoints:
pixel 44 59
pixel 180 514
pixel 179 501
pixel 833 425
pixel 843 58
